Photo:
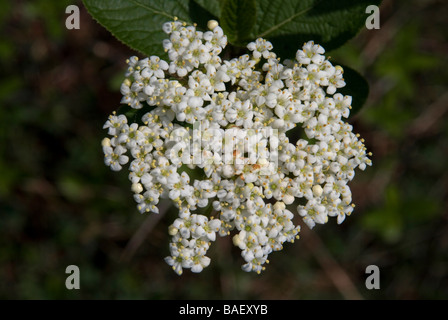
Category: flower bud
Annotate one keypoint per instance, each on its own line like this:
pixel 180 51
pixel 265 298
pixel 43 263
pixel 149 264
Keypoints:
pixel 212 24
pixel 317 190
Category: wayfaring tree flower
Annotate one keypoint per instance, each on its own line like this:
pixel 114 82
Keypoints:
pixel 231 122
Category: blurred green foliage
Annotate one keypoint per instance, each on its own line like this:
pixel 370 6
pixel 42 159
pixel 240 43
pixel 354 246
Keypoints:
pixel 59 205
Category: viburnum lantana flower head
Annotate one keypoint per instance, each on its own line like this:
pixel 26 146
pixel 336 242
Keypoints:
pixel 227 122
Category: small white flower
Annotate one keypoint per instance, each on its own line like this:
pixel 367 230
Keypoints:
pixel 260 48
pixel 147 202
pixel 115 158
pixel 115 124
pixel 310 53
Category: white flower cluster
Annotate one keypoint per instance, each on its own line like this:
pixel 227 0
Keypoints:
pixel 245 105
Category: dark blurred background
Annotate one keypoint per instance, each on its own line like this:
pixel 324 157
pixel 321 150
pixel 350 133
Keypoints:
pixel 60 205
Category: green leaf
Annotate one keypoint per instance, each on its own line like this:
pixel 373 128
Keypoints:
pixel 212 6
pixel 290 23
pixel 138 23
pixel 357 87
pixel 200 15
pixel 238 17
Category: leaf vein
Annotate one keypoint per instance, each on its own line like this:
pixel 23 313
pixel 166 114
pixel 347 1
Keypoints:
pixel 152 9
pixel 279 25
